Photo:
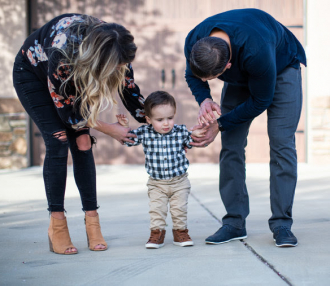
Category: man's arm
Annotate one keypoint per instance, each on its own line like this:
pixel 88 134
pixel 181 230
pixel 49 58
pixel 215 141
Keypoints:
pixel 201 91
pixel 261 83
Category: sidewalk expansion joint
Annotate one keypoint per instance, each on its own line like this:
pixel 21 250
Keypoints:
pixel 249 247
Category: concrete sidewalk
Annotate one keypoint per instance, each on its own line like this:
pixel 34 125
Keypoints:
pixel 26 260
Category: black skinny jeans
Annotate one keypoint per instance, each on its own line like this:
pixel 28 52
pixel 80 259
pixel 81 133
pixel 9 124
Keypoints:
pixel 35 98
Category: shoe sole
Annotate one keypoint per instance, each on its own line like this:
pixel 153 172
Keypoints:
pixel 154 245
pixel 235 238
pixel 285 244
pixel 186 243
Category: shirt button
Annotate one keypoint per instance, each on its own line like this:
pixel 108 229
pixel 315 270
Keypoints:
pixel 165 169
pixel 165 158
pixel 164 147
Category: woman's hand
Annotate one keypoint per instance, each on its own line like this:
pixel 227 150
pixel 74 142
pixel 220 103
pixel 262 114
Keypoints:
pixel 116 131
pixel 206 112
pixel 120 133
pixel 210 134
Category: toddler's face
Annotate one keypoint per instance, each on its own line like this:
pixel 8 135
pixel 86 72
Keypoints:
pixel 162 118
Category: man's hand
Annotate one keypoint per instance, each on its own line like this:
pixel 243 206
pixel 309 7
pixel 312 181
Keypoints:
pixel 210 134
pixel 206 112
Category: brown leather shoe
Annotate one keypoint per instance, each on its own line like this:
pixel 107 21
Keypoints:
pixel 182 238
pixel 156 239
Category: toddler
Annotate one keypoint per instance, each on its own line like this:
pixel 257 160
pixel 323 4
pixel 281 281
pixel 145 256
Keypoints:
pixel 164 147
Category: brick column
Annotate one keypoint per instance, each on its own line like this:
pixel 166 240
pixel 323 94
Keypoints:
pixel 13 138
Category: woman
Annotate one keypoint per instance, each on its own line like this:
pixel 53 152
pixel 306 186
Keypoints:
pixel 65 74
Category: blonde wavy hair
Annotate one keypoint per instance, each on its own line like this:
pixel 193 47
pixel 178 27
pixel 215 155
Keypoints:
pixel 98 64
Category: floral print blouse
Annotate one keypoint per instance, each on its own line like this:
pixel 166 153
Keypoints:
pixel 38 49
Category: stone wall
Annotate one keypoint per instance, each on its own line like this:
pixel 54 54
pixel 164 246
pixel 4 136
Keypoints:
pixel 13 122
pixel 13 31
pixel 13 134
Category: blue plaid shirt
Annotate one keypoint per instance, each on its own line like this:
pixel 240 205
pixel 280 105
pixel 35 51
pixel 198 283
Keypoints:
pixel 165 154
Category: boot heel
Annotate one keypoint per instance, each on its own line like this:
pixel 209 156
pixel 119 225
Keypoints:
pixel 50 245
pixel 93 232
pixel 87 237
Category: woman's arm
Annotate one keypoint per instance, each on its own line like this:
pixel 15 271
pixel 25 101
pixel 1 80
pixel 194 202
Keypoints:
pixel 132 99
pixel 115 130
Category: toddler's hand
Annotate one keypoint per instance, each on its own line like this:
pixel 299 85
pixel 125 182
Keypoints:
pixel 122 120
pixel 199 130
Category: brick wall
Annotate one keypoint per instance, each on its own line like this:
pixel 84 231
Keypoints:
pixel 13 138
pixel 13 123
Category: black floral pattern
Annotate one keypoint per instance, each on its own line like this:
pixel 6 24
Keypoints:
pixel 46 58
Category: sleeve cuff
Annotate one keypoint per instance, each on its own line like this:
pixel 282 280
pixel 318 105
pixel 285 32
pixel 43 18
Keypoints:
pixel 220 125
pixel 201 98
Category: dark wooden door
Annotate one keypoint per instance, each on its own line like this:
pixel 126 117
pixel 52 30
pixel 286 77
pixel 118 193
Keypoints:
pixel 160 28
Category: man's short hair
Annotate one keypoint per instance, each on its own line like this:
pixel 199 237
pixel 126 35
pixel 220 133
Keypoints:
pixel 158 98
pixel 209 57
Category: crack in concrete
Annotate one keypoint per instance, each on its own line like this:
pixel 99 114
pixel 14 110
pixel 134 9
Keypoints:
pixel 249 247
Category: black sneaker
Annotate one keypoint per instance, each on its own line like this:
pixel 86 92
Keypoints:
pixel 283 237
pixel 225 234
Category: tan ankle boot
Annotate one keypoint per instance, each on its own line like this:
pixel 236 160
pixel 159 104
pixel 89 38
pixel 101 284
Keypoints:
pixel 94 235
pixel 59 237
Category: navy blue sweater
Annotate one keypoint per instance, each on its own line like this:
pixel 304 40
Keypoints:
pixel 261 49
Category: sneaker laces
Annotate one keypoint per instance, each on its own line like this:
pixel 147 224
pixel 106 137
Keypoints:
pixel 183 235
pixel 154 236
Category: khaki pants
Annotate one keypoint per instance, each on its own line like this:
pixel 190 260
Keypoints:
pixel 175 192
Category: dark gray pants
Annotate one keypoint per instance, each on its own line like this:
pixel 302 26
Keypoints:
pixel 283 117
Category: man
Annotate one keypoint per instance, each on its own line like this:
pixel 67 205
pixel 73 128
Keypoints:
pixel 259 61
